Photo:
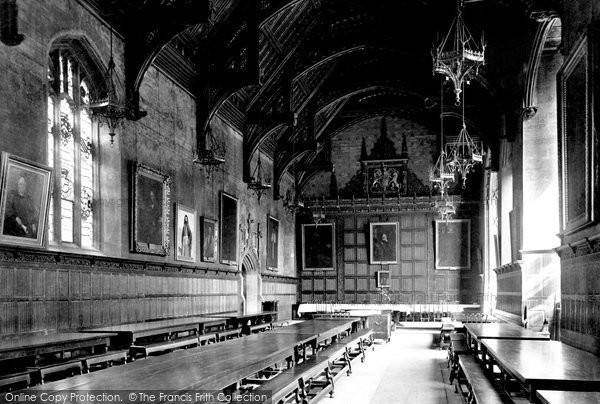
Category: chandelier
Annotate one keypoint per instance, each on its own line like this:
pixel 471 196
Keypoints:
pixel 212 156
pixel 108 108
pixel 440 174
pixel 464 152
pixel 256 183
pixel 458 57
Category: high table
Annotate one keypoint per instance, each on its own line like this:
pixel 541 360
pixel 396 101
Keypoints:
pixel 479 331
pixel 544 365
pixel 132 332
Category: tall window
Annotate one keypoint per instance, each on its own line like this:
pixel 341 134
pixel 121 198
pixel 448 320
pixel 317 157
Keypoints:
pixel 71 143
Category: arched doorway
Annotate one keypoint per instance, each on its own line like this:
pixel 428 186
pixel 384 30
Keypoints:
pixel 251 284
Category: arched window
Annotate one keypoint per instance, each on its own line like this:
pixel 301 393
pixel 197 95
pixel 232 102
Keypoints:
pixel 72 140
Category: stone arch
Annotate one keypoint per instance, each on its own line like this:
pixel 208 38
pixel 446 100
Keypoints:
pixel 251 283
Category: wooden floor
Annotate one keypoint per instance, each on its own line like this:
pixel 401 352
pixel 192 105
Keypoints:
pixel 406 370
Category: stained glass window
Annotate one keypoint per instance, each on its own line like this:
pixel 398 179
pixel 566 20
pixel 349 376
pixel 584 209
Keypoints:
pixel 71 134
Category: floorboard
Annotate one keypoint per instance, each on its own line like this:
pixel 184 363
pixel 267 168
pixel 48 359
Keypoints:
pixel 406 370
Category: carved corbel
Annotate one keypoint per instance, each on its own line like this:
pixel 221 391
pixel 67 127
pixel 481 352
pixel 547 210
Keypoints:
pixel 528 112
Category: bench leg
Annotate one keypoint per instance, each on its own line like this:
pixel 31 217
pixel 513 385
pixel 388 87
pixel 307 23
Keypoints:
pixel 348 362
pixel 329 377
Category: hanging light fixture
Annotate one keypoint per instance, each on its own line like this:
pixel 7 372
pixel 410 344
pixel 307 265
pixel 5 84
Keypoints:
pixel 212 156
pixel 458 57
pixel 256 183
pixel 293 202
pixel 108 108
pixel 440 175
pixel 464 152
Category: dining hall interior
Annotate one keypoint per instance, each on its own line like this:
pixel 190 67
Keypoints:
pixel 300 201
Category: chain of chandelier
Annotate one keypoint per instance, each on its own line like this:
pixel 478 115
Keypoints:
pixel 457 59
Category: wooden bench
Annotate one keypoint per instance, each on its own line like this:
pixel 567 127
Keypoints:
pixel 107 359
pixel 457 348
pixel 475 387
pixel 15 380
pixel 277 324
pixel 316 377
pixel 206 339
pixel 291 384
pixel 259 328
pixel 342 353
pixel 69 368
pixel 145 350
pixel 228 334
pixel 358 343
pixel 458 345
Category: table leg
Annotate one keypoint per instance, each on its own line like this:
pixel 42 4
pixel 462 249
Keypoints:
pixel 484 358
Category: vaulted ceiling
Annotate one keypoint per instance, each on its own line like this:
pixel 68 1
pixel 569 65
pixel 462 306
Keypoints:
pixel 299 72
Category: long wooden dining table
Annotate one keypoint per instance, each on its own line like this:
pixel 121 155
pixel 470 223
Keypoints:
pixel 543 365
pixel 130 333
pixel 568 397
pixel 212 367
pixel 479 331
pixel 321 329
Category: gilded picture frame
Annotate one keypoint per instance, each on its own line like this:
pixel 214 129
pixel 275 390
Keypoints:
pixel 578 154
pixel 318 247
pixel 25 192
pixel 186 233
pixel 151 201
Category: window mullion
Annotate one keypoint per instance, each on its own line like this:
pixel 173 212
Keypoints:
pixel 56 194
pixel 77 157
pixel 96 206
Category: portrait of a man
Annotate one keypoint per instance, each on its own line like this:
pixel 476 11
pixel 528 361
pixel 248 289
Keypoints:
pixel 453 244
pixel 209 240
pixel 21 215
pixel 151 198
pixel 25 196
pixel 318 246
pixel 229 229
pixel 150 211
pixel 273 243
pixel 383 244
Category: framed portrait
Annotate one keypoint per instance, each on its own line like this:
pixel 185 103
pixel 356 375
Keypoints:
pixel 383 279
pixel 578 155
pixel 229 229
pixel 383 243
pixel 210 240
pixel 318 247
pixel 186 234
pixel 272 243
pixel 24 201
pixel 151 201
pixel 453 244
